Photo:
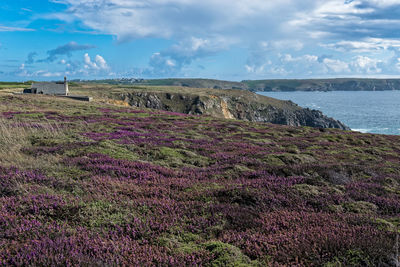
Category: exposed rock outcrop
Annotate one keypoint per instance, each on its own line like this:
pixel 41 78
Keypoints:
pixel 230 104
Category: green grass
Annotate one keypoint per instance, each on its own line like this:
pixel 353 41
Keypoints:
pixel 12 85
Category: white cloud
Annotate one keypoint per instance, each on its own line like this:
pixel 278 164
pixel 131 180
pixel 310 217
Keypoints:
pixel 179 19
pixel 99 63
pixel 279 71
pixel 304 58
pixel 89 62
pixel 258 69
pixel 266 53
pixel 23 72
pixel 280 35
pixel 194 47
pixel 305 65
pixel 336 65
pixel 384 3
pixel 96 67
pixel 364 45
pixel 341 8
pixel 14 29
pixel 170 63
pixel 295 45
pixel 364 64
pixel 162 65
pixel 45 73
pixel 348 19
pixel 172 60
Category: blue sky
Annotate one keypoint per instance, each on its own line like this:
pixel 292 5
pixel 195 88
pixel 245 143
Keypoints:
pixel 221 39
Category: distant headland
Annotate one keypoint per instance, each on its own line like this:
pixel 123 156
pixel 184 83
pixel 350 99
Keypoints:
pixel 273 85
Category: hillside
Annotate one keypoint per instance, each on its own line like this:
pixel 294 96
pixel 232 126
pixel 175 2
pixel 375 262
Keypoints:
pixel 193 83
pixel 228 103
pixel 340 84
pixel 95 184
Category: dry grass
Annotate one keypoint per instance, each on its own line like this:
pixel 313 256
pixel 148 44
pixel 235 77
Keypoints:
pixel 14 136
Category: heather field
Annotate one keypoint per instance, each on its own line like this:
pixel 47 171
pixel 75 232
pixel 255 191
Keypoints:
pixel 90 184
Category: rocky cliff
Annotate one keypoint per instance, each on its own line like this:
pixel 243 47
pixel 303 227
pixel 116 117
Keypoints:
pixel 230 104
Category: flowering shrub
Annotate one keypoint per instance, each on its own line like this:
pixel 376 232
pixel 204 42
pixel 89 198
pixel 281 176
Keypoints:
pixel 141 188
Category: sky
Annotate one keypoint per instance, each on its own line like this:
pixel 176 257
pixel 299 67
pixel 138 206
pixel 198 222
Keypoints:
pixel 217 39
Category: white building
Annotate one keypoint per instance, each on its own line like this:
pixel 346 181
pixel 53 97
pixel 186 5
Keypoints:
pixel 48 88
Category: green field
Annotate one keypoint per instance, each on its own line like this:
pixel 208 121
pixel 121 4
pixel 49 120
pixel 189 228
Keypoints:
pixel 339 84
pixel 11 85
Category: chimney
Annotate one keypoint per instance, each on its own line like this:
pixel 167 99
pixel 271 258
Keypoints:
pixel 65 85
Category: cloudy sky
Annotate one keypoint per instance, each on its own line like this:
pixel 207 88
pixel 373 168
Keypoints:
pixel 222 39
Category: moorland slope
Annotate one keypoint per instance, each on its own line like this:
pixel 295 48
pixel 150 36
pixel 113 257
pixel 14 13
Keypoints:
pixel 95 184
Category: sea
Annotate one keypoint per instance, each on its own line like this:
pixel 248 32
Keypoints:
pixel 363 111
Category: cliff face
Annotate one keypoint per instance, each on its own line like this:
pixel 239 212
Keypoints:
pixel 231 104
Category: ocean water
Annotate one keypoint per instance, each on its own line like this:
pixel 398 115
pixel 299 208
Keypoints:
pixel 368 112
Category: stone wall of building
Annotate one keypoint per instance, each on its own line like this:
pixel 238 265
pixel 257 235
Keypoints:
pixel 49 88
